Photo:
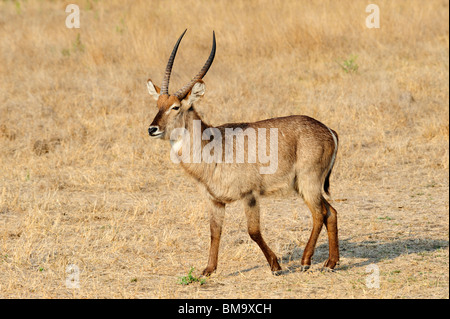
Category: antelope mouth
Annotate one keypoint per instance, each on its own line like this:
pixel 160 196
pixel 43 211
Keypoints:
pixel 154 132
pixel 157 135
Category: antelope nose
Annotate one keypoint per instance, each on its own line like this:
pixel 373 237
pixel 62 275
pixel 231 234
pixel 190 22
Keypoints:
pixel 152 129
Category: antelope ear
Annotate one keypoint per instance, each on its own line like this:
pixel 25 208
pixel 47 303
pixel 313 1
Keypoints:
pixel 197 91
pixel 153 89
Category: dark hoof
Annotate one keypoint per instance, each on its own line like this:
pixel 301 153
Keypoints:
pixel 330 264
pixel 327 269
pixel 207 272
pixel 278 272
pixel 304 268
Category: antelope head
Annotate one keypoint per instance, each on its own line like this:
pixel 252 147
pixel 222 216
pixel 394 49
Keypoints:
pixel 172 108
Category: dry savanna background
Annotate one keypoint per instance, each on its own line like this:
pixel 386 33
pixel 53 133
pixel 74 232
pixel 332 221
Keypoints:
pixel 91 207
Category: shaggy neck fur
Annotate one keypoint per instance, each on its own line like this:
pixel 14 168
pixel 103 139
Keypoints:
pixel 198 171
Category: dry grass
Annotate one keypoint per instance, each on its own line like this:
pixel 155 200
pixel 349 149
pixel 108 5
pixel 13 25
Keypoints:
pixel 81 183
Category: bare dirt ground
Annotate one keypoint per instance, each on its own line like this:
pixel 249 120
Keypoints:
pixel 82 185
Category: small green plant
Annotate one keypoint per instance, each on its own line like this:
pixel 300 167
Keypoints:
pixel 18 7
pixel 65 52
pixel 349 65
pixel 189 279
pixel 120 28
pixel 77 46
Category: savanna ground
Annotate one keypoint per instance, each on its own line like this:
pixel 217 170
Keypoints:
pixel 82 184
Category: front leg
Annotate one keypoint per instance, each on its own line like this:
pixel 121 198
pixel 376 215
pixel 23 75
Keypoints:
pixel 217 213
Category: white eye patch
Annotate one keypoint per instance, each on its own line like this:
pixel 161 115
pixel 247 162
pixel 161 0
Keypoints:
pixel 173 107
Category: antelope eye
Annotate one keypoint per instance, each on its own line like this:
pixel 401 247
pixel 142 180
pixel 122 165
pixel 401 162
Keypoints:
pixel 176 108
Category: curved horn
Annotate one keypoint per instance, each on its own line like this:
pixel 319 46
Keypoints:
pixel 165 82
pixel 181 93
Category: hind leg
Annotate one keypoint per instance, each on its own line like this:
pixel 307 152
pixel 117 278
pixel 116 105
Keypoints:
pixel 322 213
pixel 318 221
pixel 330 222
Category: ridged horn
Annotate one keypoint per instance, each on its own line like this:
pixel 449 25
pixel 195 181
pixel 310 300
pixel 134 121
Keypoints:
pixel 165 82
pixel 181 93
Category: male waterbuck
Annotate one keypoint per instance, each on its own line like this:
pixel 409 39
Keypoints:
pixel 305 151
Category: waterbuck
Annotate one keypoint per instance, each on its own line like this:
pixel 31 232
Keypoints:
pixel 305 154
